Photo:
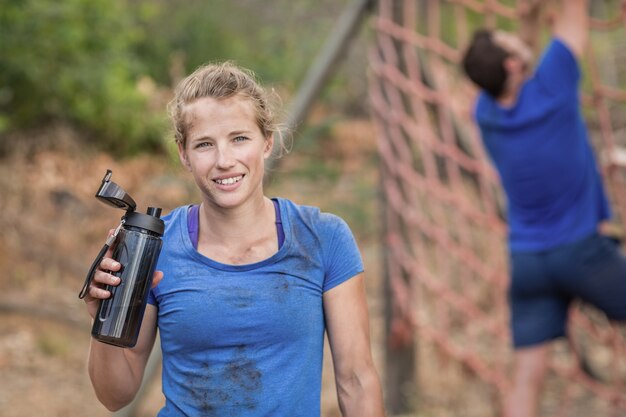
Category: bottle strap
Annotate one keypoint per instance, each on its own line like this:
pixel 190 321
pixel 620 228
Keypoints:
pixel 92 270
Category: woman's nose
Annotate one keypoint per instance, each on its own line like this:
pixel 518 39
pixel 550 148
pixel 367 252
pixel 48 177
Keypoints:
pixel 225 157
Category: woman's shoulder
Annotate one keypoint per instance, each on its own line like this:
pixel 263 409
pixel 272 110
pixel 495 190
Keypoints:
pixel 176 213
pixel 311 215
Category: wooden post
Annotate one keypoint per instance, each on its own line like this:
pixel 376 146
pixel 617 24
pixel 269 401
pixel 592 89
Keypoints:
pixel 400 361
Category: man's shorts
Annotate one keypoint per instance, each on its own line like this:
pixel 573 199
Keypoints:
pixel 543 284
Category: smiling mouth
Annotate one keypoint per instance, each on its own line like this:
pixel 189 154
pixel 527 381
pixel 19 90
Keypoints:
pixel 228 181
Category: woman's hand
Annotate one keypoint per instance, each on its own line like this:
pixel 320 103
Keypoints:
pixel 103 277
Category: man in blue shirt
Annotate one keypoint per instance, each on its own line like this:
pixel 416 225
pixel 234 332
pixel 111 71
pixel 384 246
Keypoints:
pixel 532 127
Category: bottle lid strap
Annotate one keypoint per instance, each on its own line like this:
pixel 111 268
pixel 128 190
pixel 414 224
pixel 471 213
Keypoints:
pixel 94 266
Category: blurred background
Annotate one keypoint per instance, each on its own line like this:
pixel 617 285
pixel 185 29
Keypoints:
pixel 382 136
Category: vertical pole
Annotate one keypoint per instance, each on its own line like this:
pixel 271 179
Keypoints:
pixel 325 64
pixel 400 360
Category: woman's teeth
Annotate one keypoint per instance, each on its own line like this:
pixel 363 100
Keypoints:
pixel 229 181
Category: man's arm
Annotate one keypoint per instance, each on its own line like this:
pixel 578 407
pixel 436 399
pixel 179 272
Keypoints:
pixel 530 22
pixel 571 25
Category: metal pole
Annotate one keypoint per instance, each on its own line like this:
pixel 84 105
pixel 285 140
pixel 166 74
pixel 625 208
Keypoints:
pixel 324 65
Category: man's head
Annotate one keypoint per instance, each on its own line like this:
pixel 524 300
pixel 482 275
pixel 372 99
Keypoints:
pixel 494 59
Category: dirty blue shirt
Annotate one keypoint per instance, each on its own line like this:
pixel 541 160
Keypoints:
pixel 247 340
pixel 541 150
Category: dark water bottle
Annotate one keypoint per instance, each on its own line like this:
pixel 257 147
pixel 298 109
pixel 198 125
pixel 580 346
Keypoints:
pixel 137 249
pixel 136 246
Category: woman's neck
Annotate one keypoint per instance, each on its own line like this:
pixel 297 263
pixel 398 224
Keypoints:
pixel 234 223
pixel 238 236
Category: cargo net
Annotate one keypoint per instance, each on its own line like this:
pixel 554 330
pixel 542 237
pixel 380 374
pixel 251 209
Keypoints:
pixel 445 235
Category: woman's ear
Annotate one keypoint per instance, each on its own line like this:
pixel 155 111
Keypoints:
pixel 269 145
pixel 182 155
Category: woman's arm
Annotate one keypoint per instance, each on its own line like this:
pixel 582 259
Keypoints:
pixel 115 372
pixel 358 385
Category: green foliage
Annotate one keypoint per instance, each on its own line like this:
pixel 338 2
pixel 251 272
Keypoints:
pixel 277 40
pixel 189 29
pixel 82 61
pixel 70 60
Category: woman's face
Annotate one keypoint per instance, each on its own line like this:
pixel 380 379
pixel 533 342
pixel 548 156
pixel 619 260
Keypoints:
pixel 225 150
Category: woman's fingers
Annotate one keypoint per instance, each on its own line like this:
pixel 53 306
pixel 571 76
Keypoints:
pixel 103 277
pixel 109 264
pixel 98 293
pixel 156 278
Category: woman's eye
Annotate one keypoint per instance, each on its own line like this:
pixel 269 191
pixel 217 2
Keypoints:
pixel 203 144
pixel 240 139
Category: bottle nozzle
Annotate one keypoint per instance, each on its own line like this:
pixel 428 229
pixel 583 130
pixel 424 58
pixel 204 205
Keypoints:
pixel 112 194
pixel 154 211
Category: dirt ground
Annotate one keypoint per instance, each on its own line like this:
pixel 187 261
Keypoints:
pixel 52 227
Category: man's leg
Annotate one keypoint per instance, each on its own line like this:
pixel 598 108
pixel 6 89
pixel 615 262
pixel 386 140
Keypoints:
pixel 529 372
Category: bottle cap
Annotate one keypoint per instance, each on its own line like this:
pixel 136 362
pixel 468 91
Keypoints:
pixel 145 221
pixel 112 194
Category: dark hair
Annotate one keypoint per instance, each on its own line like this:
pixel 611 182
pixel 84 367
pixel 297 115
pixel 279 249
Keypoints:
pixel 483 62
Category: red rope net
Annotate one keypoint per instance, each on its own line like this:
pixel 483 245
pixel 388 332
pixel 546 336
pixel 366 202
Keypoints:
pixel 445 234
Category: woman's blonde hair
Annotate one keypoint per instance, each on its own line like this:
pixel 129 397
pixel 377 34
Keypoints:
pixel 218 81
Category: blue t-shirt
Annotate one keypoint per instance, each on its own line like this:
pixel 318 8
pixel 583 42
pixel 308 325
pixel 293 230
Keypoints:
pixel 247 340
pixel 542 153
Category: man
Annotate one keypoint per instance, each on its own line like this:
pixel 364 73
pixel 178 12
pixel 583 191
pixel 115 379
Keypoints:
pixel 532 127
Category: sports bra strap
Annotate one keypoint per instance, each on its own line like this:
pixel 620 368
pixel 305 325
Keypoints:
pixel 193 221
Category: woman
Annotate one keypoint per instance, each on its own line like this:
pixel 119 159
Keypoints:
pixel 247 285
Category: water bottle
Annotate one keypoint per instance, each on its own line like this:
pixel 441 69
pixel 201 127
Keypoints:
pixel 136 246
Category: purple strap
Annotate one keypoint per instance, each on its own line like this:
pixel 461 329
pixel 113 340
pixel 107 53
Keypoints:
pixel 279 225
pixel 193 221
